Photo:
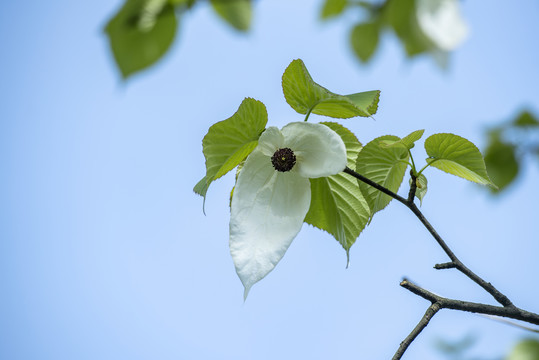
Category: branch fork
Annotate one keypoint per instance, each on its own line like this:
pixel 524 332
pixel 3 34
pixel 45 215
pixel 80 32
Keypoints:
pixel 506 310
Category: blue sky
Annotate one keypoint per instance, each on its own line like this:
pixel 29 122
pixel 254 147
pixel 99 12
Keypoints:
pixel 105 252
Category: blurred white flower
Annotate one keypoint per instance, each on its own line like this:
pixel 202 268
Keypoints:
pixel 273 194
pixel 442 23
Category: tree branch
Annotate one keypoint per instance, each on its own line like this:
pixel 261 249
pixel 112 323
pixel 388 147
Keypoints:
pixel 431 311
pixel 508 310
pixel 439 302
pixel 511 312
pixel 501 298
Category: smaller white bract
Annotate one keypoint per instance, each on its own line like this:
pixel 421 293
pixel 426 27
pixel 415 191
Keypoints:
pixel 273 194
pixel 442 22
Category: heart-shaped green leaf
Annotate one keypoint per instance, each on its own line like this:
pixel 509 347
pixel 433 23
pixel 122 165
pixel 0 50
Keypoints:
pixel 337 204
pixel 407 142
pixel 306 96
pixel 457 156
pixel 230 141
pixel 383 165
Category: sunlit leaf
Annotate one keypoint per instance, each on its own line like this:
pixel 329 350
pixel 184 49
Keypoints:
pixel 306 96
pixel 228 142
pixel 457 156
pixel 383 165
pixel 337 204
pixel 332 8
pixel 141 33
pixel 407 142
pixel 237 13
pixel 364 40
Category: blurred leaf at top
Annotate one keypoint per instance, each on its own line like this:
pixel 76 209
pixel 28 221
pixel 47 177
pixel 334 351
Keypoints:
pixel 237 13
pixel 141 33
pixel 433 27
pixel 364 39
pixel 332 8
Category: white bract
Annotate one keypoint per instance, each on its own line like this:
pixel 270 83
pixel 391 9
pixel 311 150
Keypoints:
pixel 273 194
pixel 442 22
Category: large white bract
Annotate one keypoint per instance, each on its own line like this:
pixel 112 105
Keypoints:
pixel 268 206
pixel 442 22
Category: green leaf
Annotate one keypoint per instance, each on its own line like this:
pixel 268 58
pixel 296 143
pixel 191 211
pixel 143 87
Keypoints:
pixel 364 38
pixel 421 190
pixel 526 119
pixel 230 141
pixel 383 165
pixel 501 163
pixel 458 156
pixel 337 204
pixel 237 13
pixel 333 8
pixel 306 96
pixel 141 33
pixel 407 142
pixel 525 350
pixel 201 188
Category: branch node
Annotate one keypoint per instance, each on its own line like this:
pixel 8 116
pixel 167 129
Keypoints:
pixel 447 265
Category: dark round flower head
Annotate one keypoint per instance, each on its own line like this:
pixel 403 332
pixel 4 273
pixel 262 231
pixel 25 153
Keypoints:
pixel 283 159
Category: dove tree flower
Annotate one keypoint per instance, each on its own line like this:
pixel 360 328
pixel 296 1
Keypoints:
pixel 273 194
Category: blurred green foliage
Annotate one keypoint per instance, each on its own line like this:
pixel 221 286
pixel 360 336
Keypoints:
pixel 142 31
pixel 509 145
pixel 402 17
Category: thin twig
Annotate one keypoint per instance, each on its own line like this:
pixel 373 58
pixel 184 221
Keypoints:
pixel 447 265
pixel 501 298
pixel 431 311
